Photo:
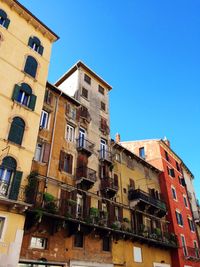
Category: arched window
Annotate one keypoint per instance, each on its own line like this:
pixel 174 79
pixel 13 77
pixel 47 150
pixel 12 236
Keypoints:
pixel 10 178
pixel 23 95
pixel 7 168
pixel 16 131
pixel 35 44
pixel 4 21
pixel 31 66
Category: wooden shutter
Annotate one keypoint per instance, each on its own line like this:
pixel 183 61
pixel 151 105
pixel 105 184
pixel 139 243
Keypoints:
pixel 32 101
pixel 73 197
pixel 86 205
pixel 120 214
pixel 99 205
pixel 70 162
pixel 16 92
pixel 14 191
pixel 61 160
pixel 46 152
pixel 111 212
pixel 116 180
pixel 41 49
pixel 6 23
pixel 31 66
pixel 16 131
pixel 64 196
pixel 67 109
pixel 30 42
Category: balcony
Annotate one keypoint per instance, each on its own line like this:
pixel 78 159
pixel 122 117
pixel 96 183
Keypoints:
pixel 108 187
pixel 105 156
pixel 192 254
pixel 85 146
pixel 85 177
pixel 146 202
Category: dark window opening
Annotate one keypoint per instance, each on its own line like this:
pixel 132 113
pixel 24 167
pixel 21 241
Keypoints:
pixel 16 131
pixel 142 152
pixel 106 243
pixel 166 156
pixel 35 44
pixel 101 90
pixel 103 106
pixel 31 66
pixel 4 21
pixel 87 79
pixel 78 240
pixel 84 92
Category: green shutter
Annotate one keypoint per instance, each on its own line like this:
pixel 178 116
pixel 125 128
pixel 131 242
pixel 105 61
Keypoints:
pixel 32 102
pixel 16 92
pixel 6 23
pixel 14 191
pixel 16 131
pixel 41 49
pixel 30 42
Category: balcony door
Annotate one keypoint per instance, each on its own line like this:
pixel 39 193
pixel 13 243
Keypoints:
pixel 82 137
pixel 103 148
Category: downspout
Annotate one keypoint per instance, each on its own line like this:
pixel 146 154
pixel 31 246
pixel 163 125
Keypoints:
pixel 53 134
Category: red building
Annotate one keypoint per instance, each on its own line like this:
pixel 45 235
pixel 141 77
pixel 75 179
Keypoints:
pixel 174 192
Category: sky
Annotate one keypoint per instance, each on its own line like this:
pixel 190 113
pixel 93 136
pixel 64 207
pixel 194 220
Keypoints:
pixel 149 51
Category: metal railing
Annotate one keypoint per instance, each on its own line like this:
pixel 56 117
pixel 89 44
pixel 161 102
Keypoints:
pixel 85 144
pixel 105 155
pixel 85 172
pixel 109 183
pixel 139 194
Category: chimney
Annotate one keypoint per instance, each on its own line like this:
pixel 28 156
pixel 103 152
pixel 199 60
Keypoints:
pixel 117 138
pixel 167 142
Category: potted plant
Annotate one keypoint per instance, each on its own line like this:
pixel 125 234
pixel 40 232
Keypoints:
pixel 126 224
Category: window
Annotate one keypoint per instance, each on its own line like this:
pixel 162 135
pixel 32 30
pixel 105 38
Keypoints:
pixel 137 254
pixel 101 90
pixel 16 131
pixel 4 21
pixel 179 218
pixel 196 249
pixel 31 66
pixel 10 179
pixel 191 225
pixel 185 201
pixel 116 180
pixel 38 242
pixel 70 133
pixel 106 243
pixel 174 193
pixel 103 106
pixel 48 97
pixel 66 162
pixel 184 245
pixel 116 213
pixel 87 79
pixel 177 166
pixel 84 92
pixel 181 181
pixel 42 152
pixel 118 157
pixel 142 152
pixel 35 44
pixel 79 206
pixel 44 119
pixel 132 183
pixel 23 95
pixel 2 223
pixel 171 172
pixel 70 111
pixel 104 126
pixel 78 240
pixel 166 156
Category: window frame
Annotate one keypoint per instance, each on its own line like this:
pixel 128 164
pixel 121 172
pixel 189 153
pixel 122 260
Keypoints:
pixel 191 224
pixel 70 133
pixel 174 195
pixel 179 218
pixel 38 247
pixel 3 227
pixel 101 90
pixel 106 244
pixel 137 258
pixel 80 241
pixel 87 79
pixel 184 246
pixel 103 106
pixel 142 152
pixel 46 124
pixel 85 93
pixel 185 200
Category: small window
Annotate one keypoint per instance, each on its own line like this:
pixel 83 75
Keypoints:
pixel 174 193
pixel 179 218
pixel 177 166
pixel 44 120
pixel 167 156
pixel 78 240
pixel 106 243
pixel 131 183
pixel 23 95
pixel 35 44
pixel 116 213
pixel 38 242
pixel 2 223
pixel 101 90
pixel 85 92
pixel 103 106
pixel 31 66
pixel 16 131
pixel 42 152
pixel 191 225
pixel 70 111
pixel 142 152
pixel 181 181
pixel 87 79
pixel 137 254
pixel 104 126
pixel 70 133
pixel 118 157
pixel 171 172
pixel 184 245
pixel 185 201
pixel 48 97
pixel 196 249
pixel 4 21
pixel 66 162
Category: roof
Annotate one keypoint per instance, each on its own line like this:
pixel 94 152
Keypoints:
pixel 60 92
pixel 82 65
pixel 13 3
pixel 138 159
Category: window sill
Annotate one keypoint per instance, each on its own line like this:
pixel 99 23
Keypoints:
pixel 180 225
pixel 34 51
pixel 28 75
pixel 21 105
pixel 12 143
pixel 85 98
pixel 43 129
pixel 40 162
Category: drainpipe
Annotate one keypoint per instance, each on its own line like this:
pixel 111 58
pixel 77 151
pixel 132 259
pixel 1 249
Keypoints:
pixel 53 134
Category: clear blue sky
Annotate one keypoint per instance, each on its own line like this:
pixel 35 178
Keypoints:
pixel 149 51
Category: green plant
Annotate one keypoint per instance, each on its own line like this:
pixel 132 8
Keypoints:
pixel 116 225
pixel 48 197
pixel 126 220
pixel 39 214
pixel 94 212
pixel 31 187
pixel 157 231
pixel 71 202
pixel 51 207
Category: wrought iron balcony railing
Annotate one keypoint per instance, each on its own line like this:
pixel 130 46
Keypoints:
pixel 86 173
pixel 84 145
pixel 105 155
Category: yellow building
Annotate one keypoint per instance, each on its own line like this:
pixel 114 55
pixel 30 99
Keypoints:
pixel 25 48
pixel 143 211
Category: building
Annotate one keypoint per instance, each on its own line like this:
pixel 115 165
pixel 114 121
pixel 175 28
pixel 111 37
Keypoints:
pixel 174 190
pixel 25 48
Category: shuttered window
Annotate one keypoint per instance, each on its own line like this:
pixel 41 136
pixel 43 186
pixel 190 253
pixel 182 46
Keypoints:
pixel 35 44
pixel 4 21
pixel 23 95
pixel 16 131
pixel 42 152
pixel 65 162
pixel 179 218
pixel 31 66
